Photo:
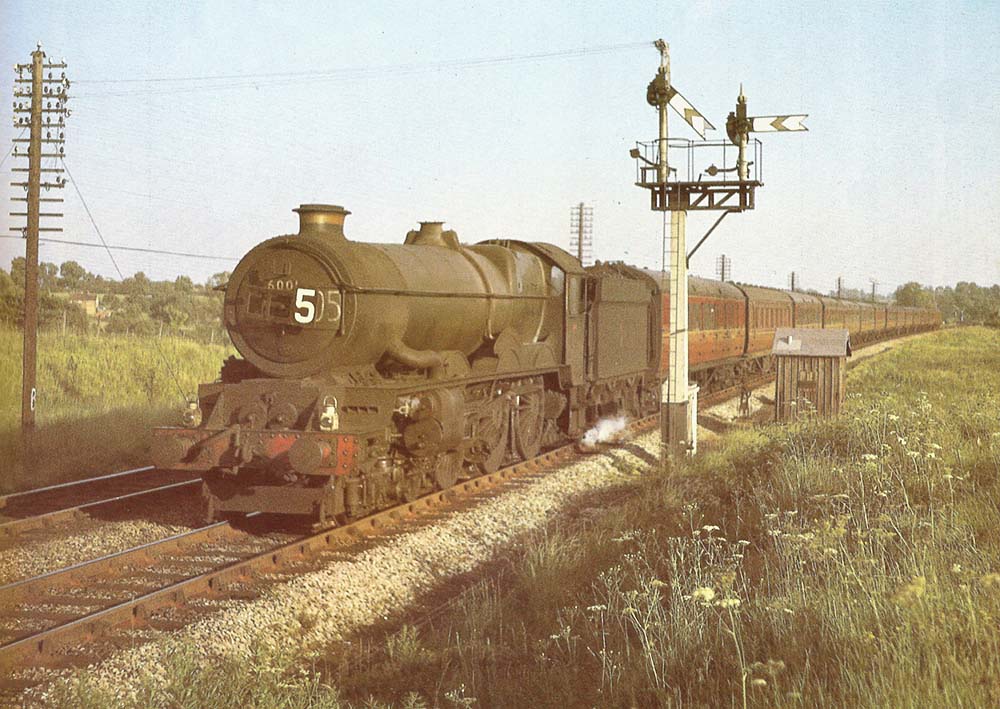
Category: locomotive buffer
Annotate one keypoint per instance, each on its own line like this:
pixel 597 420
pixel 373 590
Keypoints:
pixel 687 187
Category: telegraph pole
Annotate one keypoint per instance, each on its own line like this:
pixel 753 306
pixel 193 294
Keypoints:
pixel 874 284
pixel 724 268
pixel 582 233
pixel 793 283
pixel 48 96
pixel 840 286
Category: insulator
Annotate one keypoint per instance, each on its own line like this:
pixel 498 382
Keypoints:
pixel 62 150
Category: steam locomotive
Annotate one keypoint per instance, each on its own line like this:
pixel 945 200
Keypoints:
pixel 374 373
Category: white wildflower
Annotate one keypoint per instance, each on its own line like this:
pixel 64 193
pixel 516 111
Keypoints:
pixel 704 594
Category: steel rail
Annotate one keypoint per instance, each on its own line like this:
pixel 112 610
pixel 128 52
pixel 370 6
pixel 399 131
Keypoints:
pixel 36 648
pixel 15 526
pixel 82 626
pixel 71 483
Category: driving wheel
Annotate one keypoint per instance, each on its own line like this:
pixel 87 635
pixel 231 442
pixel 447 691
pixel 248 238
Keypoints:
pixel 529 417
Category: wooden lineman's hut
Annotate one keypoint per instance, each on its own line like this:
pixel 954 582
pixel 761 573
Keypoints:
pixel 810 371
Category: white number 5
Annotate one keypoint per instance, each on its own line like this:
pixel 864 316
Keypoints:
pixel 301 304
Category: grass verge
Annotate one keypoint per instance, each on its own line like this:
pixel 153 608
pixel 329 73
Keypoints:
pixel 98 396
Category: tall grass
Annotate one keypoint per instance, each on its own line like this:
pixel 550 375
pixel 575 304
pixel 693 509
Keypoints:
pixel 97 397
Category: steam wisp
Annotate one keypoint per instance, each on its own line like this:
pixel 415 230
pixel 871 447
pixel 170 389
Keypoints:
pixel 607 430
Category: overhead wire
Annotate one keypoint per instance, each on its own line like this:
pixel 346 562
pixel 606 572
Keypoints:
pixel 11 149
pixel 281 77
pixel 156 343
pixel 114 247
pixel 348 73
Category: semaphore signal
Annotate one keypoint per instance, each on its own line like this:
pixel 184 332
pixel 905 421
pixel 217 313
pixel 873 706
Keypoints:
pixel 690 185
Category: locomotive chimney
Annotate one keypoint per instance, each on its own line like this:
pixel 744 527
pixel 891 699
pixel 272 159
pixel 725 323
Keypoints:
pixel 433 234
pixel 326 220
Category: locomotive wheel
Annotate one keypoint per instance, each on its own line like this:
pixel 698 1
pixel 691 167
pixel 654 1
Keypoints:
pixel 529 417
pixel 410 487
pixel 493 435
pixel 447 469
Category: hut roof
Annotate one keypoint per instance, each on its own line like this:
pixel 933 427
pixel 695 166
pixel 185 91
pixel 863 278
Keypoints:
pixel 811 342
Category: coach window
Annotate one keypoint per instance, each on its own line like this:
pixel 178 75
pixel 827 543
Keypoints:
pixel 709 316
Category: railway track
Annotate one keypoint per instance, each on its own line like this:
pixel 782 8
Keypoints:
pixel 45 507
pixel 58 618
pixel 51 619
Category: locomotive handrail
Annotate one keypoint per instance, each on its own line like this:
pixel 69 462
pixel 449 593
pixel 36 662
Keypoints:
pixel 363 290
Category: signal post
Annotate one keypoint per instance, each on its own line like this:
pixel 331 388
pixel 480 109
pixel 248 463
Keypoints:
pixel 685 187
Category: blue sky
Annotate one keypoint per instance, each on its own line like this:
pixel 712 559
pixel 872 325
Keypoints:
pixel 896 180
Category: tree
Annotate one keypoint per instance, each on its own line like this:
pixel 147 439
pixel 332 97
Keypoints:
pixel 72 275
pixel 172 309
pixel 48 276
pixel 218 279
pixel 914 295
pixel 17 267
pixel 7 286
pixel 136 285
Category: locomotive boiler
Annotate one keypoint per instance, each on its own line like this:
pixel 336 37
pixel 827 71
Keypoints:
pixel 371 373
